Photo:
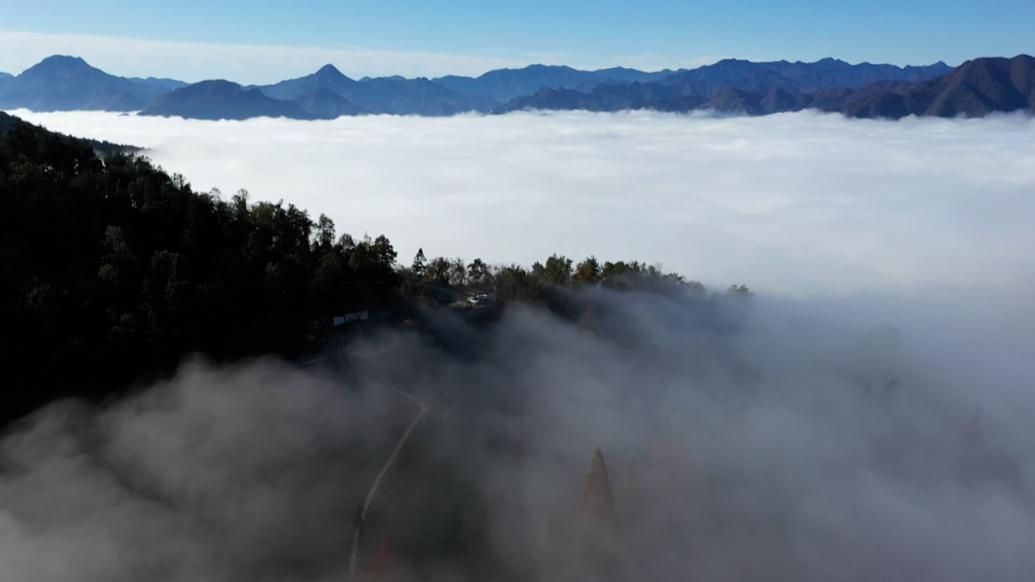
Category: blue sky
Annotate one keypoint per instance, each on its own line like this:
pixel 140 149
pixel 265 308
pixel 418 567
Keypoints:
pixel 425 37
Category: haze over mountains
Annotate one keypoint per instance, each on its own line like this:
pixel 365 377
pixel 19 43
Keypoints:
pixel 61 83
pixel 221 100
pixel 975 88
pixel 731 86
pixel 503 85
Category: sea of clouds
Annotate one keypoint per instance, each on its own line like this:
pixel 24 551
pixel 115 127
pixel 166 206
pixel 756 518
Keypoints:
pixel 745 440
pixel 866 416
pixel 801 203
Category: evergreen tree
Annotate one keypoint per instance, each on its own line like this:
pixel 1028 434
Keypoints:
pixel 419 263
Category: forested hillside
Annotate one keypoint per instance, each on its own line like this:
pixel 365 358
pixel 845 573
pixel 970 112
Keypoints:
pixel 112 271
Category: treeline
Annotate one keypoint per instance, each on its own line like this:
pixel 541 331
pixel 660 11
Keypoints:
pixel 111 270
pixel 517 283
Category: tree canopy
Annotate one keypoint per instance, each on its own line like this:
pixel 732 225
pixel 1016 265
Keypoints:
pixel 112 269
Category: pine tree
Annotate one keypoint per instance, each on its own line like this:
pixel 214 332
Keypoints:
pixel 419 263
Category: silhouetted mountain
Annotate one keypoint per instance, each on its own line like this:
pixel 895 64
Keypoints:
pixel 777 100
pixel 554 99
pixel 395 95
pixel 733 100
pixel 421 96
pixel 4 75
pixel 326 104
pixel 222 100
pixel 796 77
pixel 61 83
pixel 601 98
pixel 159 84
pixel 628 75
pixel 733 86
pixel 328 77
pixel 8 121
pixel 976 88
pixel 502 85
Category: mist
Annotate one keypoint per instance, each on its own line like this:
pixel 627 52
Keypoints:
pixel 864 416
pixel 800 204
pixel 746 439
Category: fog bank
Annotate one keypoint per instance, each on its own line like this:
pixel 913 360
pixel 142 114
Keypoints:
pixel 745 440
pixel 802 204
pixel 865 417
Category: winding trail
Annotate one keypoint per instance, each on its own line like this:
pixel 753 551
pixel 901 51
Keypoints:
pixel 377 483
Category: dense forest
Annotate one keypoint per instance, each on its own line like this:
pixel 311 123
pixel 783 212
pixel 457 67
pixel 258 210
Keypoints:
pixel 113 271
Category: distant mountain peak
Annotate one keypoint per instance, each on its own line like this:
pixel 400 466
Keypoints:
pixel 63 59
pixel 216 85
pixel 330 71
pixel 60 64
pixel 221 99
pixel 66 83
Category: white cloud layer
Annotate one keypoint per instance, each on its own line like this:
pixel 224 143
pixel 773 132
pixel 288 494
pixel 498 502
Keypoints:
pixel 803 203
pixel 782 439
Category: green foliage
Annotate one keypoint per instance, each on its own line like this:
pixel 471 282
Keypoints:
pixel 587 272
pixel 419 263
pixel 541 281
pixel 478 273
pixel 110 269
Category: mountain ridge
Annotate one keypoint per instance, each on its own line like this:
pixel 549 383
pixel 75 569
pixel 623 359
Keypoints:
pixel 391 95
pixel 734 86
pixel 326 104
pixel 62 83
pixel 975 88
pixel 504 84
pixel 221 99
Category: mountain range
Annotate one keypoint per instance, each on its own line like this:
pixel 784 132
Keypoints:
pixel 731 86
pixel 61 83
pixel 222 100
pixel 502 85
pixel 976 88
pixel 973 89
pixel 391 95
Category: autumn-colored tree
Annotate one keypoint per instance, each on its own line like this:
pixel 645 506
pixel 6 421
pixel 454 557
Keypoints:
pixel 597 494
pixel 587 272
pixel 557 270
pixel 381 567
